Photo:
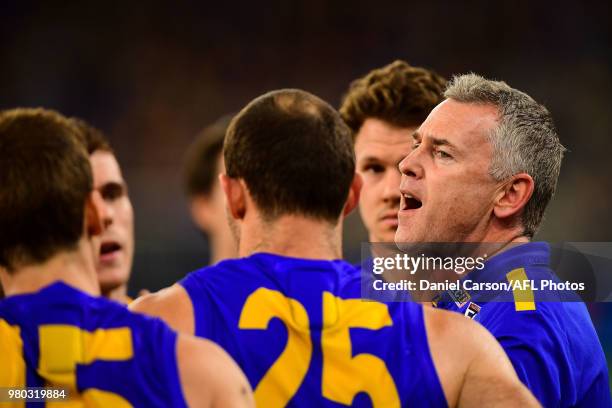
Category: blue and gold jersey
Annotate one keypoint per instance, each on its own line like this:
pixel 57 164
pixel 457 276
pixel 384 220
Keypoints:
pixel 547 334
pixel 302 335
pixel 105 355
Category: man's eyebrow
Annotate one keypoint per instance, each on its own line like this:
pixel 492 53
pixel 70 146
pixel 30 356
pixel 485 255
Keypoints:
pixel 369 159
pixel 435 140
pixel 438 141
pixel 114 183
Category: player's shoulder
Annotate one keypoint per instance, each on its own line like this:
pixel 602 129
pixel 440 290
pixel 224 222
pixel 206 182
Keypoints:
pixel 455 343
pixel 444 324
pixel 171 304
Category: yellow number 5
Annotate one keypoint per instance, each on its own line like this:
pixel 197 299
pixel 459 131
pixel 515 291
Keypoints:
pixel 344 376
pixel 62 347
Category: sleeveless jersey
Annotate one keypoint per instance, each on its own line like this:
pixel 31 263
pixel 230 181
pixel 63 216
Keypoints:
pixel 304 337
pixel 102 353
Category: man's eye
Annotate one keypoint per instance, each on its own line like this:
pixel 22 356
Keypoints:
pixel 442 154
pixel 112 191
pixel 374 168
pixel 415 145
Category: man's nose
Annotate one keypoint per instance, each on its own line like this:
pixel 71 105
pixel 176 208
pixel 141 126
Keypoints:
pixel 411 165
pixel 109 214
pixel 391 191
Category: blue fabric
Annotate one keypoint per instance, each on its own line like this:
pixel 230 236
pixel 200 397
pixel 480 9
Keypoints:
pixel 148 379
pixel 219 294
pixel 554 348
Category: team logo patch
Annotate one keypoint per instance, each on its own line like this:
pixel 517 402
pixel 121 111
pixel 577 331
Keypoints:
pixel 460 296
pixel 472 310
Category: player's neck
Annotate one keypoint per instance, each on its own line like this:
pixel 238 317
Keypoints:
pixel 222 246
pixel 504 235
pixel 118 294
pixel 75 268
pixel 498 238
pixel 292 236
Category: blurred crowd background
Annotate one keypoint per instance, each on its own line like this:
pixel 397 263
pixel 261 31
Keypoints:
pixel 151 75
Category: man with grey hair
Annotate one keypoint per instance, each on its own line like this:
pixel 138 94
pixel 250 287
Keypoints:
pixel 483 167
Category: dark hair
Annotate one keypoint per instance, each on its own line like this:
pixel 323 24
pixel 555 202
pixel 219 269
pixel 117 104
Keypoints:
pixel 294 153
pixel 93 137
pixel 202 156
pixel 398 93
pixel 45 178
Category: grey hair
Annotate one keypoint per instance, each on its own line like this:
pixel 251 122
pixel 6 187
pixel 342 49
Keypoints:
pixel 525 140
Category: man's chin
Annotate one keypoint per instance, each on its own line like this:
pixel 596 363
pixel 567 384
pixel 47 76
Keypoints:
pixel 405 239
pixel 112 279
pixel 388 238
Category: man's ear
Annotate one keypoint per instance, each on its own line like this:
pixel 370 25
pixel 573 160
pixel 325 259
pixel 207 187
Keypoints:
pixel 513 195
pixel 235 195
pixel 94 214
pixel 353 195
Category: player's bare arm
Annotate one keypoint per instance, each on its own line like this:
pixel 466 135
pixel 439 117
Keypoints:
pixel 209 377
pixel 471 365
pixel 172 305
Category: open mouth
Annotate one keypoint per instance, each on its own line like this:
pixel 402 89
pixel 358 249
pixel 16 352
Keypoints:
pixel 410 202
pixel 108 248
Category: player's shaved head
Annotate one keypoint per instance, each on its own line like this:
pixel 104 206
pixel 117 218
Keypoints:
pixel 294 153
pixel 45 179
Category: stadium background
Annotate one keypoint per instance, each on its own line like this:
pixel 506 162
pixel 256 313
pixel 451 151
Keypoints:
pixel 152 74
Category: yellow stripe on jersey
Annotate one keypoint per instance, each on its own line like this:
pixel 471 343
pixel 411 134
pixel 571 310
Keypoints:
pixel 13 372
pixel 523 298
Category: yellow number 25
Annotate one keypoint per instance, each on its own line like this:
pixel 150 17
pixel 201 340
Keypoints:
pixel 344 375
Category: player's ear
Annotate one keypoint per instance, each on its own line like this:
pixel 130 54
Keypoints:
pixel 353 195
pixel 94 214
pixel 235 195
pixel 513 195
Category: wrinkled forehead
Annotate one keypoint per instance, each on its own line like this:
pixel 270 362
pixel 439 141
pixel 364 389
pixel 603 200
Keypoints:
pixel 466 125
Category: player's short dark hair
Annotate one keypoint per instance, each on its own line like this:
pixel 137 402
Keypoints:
pixel 45 178
pixel 398 93
pixel 294 153
pixel 94 138
pixel 201 159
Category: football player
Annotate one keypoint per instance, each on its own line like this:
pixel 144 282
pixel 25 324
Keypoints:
pixel 117 241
